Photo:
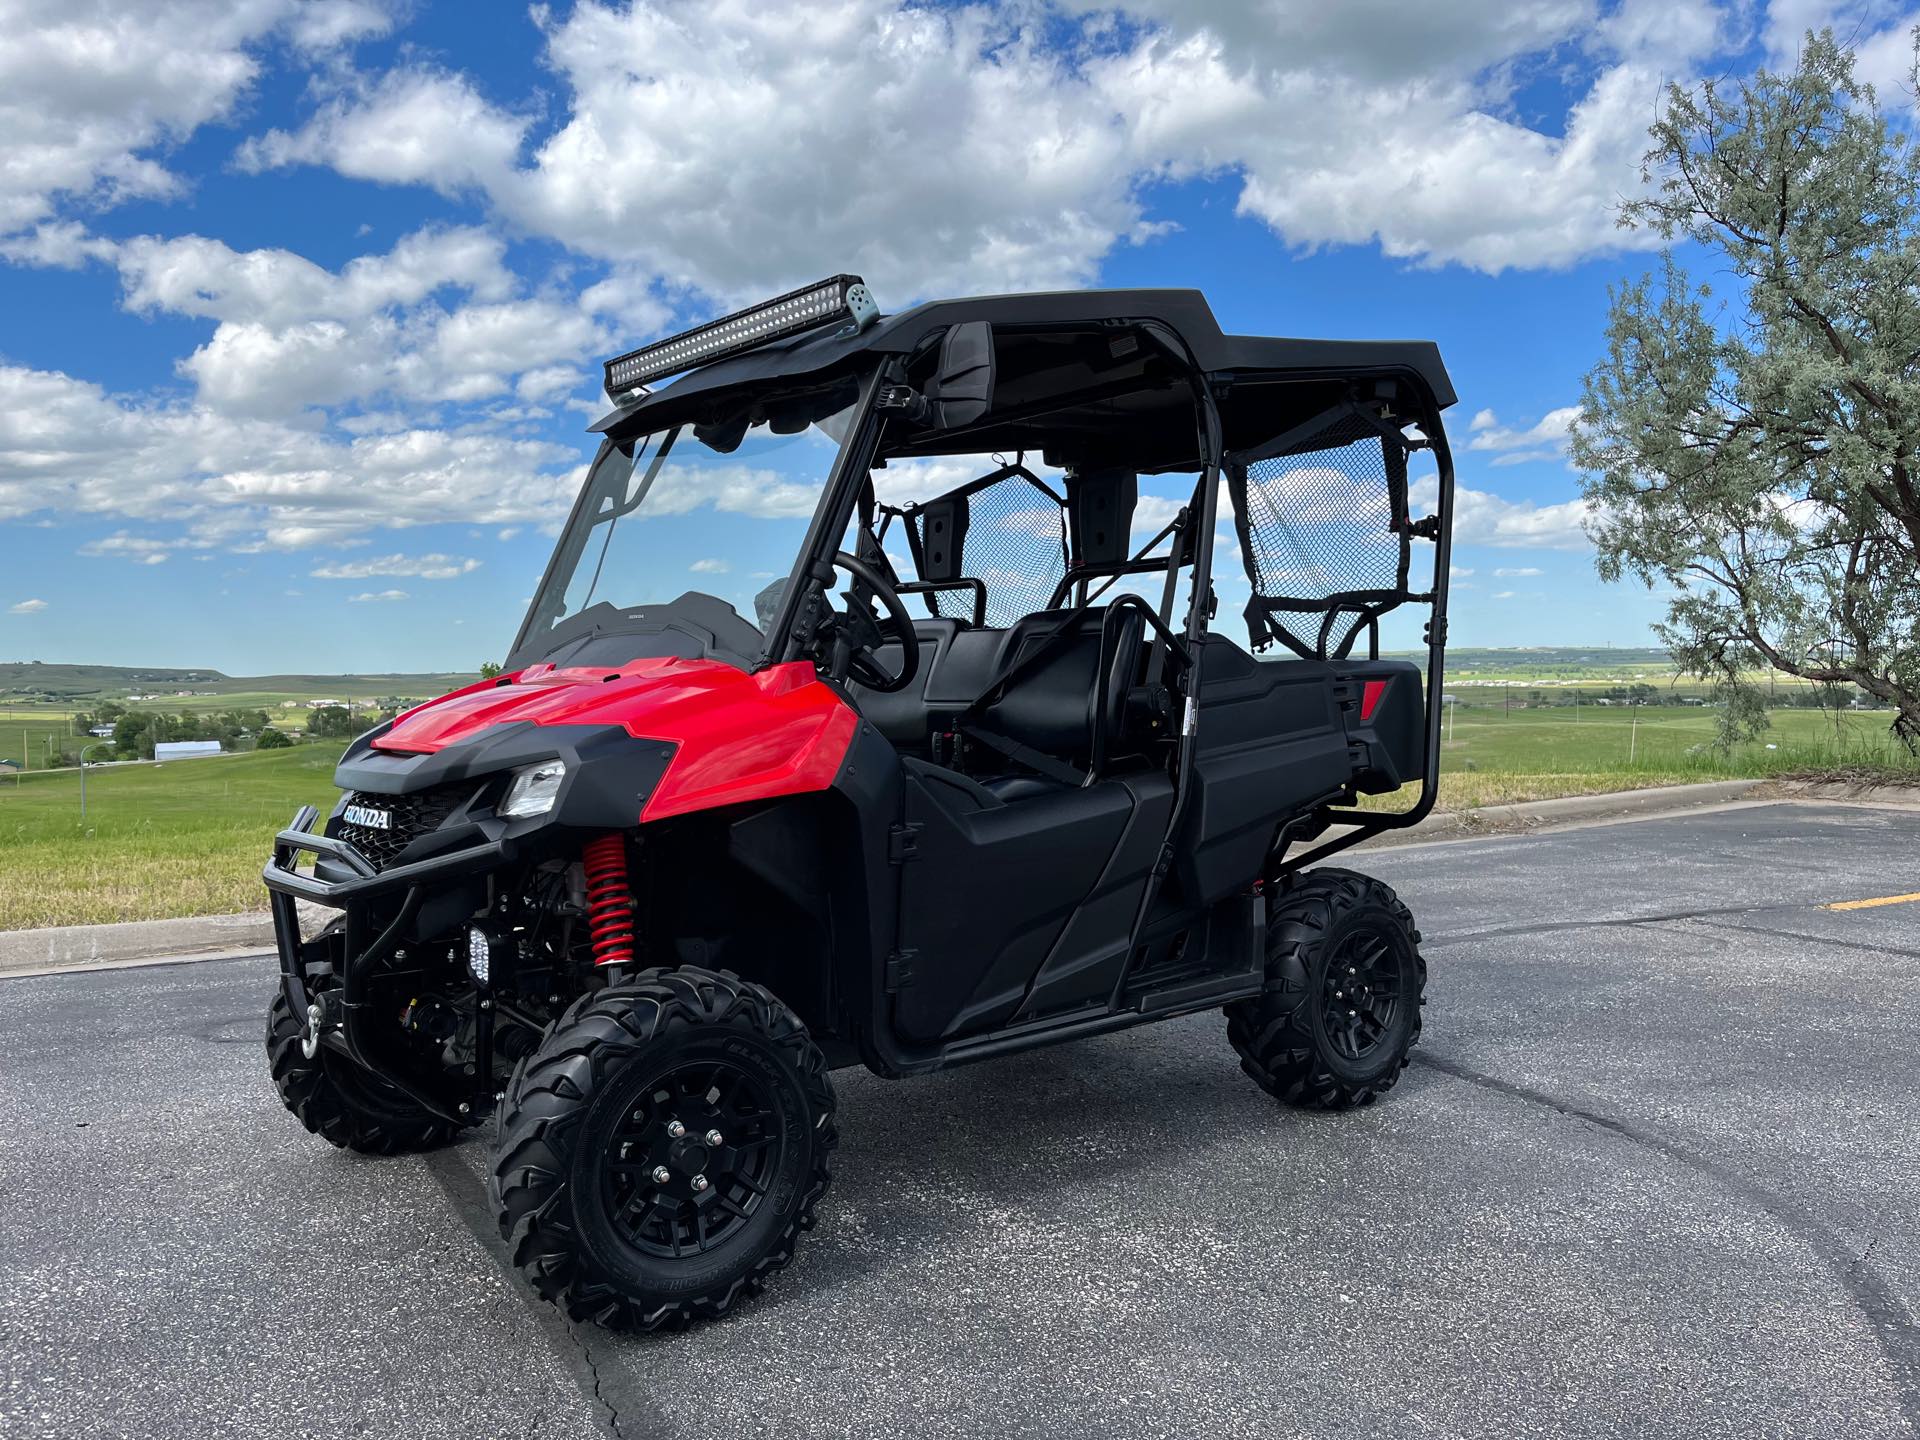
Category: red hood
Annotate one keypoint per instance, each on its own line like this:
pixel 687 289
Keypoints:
pixel 739 736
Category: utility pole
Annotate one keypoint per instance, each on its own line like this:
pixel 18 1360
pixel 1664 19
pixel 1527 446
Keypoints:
pixel 84 750
pixel 1633 737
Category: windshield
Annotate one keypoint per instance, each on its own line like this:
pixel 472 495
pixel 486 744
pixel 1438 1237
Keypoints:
pixel 683 529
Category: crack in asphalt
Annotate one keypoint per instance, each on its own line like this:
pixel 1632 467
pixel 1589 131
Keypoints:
pixel 1892 1327
pixel 560 1333
pixel 1827 940
pixel 1544 927
pixel 593 1371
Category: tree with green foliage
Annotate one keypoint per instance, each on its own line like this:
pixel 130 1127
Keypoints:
pixel 1760 454
pixel 489 669
pixel 270 739
pixel 332 721
pixel 133 735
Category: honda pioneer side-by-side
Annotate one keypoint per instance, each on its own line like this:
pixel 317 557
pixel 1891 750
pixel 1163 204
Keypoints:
pixel 875 709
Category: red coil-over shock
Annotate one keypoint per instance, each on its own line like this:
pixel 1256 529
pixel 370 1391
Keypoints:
pixel 609 901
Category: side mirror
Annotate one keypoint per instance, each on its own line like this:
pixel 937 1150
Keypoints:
pixel 962 390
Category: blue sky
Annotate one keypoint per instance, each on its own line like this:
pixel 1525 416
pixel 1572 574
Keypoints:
pixel 301 304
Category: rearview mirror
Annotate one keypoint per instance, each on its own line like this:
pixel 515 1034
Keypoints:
pixel 962 390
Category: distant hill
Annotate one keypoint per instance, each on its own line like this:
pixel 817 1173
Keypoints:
pixel 23 680
pixel 1557 657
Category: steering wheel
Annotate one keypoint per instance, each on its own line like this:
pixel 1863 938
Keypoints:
pixel 852 639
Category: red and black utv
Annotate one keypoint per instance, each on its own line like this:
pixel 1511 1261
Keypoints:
pixel 637 896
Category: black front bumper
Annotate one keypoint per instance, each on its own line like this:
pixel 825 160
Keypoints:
pixel 356 897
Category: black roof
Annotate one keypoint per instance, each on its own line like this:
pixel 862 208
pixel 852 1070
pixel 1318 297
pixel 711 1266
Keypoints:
pixel 1045 315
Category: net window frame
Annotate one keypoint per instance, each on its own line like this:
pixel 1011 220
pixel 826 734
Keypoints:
pixel 975 591
pixel 1338 428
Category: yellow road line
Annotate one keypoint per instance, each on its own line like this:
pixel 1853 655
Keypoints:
pixel 1869 904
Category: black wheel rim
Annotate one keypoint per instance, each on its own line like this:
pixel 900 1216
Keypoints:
pixel 692 1159
pixel 1360 994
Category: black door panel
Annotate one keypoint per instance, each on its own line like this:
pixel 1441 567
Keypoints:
pixel 1087 958
pixel 989 892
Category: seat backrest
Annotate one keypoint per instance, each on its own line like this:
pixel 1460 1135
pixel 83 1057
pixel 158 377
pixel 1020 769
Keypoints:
pixel 1050 704
pixel 957 663
pixel 901 715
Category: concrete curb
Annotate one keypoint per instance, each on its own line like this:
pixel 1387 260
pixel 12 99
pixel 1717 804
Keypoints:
pixel 1846 792
pixel 1572 809
pixel 99 947
pixel 77 945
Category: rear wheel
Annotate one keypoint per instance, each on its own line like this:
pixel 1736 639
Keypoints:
pixel 339 1101
pixel 660 1153
pixel 1344 987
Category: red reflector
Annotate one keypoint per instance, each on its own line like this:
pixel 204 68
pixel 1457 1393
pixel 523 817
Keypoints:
pixel 1370 699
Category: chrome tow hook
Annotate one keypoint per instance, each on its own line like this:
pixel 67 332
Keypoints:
pixel 310 1038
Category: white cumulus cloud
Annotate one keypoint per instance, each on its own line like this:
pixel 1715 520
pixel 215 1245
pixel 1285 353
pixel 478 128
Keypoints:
pixel 422 567
pixel 997 149
pixel 90 90
pixel 1544 440
pixel 1481 517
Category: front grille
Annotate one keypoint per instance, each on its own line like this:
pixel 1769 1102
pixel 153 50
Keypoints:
pixel 411 817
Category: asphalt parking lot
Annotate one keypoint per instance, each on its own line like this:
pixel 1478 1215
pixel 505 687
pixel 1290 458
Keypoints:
pixel 1654 1173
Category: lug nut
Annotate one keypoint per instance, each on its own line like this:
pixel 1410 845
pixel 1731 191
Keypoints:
pixel 699 1182
pixel 713 1139
pixel 661 1174
pixel 676 1129
pixel 1353 1012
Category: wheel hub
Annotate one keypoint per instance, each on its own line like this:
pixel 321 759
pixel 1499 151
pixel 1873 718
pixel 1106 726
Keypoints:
pixel 692 1158
pixel 1360 994
pixel 689 1157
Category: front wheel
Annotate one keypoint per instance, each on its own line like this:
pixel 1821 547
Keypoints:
pixel 661 1151
pixel 339 1101
pixel 1344 987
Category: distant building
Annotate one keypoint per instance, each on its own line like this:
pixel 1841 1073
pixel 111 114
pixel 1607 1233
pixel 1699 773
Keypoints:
pixel 185 749
pixel 101 732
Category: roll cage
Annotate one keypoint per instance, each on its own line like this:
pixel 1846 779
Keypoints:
pixel 1311 441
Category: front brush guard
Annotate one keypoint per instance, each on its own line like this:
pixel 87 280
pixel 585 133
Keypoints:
pixel 287 885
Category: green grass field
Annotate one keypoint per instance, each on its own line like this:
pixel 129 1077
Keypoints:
pixel 184 838
pixel 1600 740
pixel 24 735
pixel 189 837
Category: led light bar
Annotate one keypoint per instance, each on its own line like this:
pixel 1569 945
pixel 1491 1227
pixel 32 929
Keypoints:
pixel 843 299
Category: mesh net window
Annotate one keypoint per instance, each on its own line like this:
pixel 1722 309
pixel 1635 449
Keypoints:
pixel 1323 527
pixel 1012 538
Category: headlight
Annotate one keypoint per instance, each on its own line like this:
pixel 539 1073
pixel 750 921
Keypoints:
pixel 534 789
